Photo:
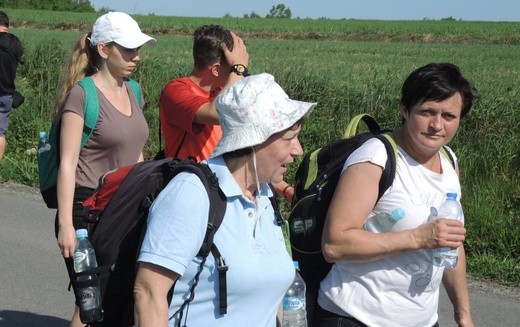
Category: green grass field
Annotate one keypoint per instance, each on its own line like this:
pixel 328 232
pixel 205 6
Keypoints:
pixel 348 67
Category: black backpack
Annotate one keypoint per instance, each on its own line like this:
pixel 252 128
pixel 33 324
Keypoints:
pixel 315 182
pixel 117 214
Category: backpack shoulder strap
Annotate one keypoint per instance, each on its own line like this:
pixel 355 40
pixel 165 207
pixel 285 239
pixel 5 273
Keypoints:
pixel 387 178
pixel 217 210
pixel 445 152
pixel 353 124
pixel 134 86
pixel 91 108
pixel 217 198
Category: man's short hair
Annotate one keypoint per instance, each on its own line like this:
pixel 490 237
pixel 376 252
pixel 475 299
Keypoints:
pixel 207 44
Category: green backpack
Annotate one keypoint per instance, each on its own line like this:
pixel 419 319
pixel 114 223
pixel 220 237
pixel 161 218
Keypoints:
pixel 49 160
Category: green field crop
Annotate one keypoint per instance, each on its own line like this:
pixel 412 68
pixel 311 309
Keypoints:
pixel 344 29
pixel 345 77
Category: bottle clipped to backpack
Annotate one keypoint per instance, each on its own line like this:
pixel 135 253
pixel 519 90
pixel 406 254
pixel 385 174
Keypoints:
pixel 43 143
pixel 380 222
pixel 450 209
pixel 88 294
pixel 294 306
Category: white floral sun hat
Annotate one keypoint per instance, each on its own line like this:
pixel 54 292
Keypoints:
pixel 252 110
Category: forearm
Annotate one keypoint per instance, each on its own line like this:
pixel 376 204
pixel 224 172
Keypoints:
pixel 455 283
pixel 233 78
pixel 150 292
pixel 359 245
pixel 150 310
pixel 355 244
pixel 65 194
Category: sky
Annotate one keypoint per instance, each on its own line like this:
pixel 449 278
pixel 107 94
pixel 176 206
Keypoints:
pixel 466 10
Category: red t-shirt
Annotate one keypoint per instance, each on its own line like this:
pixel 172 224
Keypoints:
pixel 180 100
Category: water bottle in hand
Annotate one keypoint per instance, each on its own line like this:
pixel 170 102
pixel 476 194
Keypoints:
pixel 89 295
pixel 294 306
pixel 450 209
pixel 380 222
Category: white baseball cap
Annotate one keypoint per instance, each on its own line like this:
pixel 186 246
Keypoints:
pixel 120 28
pixel 252 110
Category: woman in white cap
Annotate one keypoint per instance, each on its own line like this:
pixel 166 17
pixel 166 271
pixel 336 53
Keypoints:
pixel 260 127
pixel 106 56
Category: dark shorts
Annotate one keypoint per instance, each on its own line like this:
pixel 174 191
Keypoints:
pixel 324 318
pixel 6 106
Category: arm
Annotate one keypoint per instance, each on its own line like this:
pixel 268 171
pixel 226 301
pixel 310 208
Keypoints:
pixel 343 236
pixel 207 113
pixel 238 55
pixel 70 142
pixel 455 283
pixel 150 292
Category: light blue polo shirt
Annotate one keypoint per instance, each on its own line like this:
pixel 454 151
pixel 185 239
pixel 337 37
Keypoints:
pixel 260 269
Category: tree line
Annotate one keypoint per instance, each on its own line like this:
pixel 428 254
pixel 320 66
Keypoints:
pixel 54 5
pixel 277 11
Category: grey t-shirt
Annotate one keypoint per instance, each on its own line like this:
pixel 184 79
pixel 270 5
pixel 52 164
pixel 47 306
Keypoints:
pixel 117 141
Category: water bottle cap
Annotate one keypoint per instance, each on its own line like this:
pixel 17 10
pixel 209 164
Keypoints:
pixel 43 135
pixel 451 196
pixel 398 214
pixel 81 233
pixel 296 265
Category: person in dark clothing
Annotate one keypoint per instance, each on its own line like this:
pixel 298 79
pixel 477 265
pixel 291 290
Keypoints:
pixel 11 51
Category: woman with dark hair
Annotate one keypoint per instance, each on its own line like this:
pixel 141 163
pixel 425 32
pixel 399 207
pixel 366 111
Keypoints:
pixel 389 279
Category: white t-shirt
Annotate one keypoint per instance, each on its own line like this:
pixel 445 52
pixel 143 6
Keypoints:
pixel 402 289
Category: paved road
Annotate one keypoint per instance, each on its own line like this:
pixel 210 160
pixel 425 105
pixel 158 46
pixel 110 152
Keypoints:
pixel 33 277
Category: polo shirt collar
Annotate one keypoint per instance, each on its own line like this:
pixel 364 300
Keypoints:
pixel 227 182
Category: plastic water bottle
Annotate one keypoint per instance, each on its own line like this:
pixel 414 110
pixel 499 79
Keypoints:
pixel 43 144
pixel 89 295
pixel 294 306
pixel 381 222
pixel 450 209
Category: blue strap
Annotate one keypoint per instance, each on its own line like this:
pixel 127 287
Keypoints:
pixel 91 114
pixel 136 89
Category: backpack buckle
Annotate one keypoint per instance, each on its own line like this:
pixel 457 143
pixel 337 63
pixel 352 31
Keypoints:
pixel 221 265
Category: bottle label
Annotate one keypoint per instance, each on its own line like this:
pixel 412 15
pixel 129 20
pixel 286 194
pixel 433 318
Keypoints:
pixel 79 256
pixel 293 303
pixel 44 148
pixel 88 298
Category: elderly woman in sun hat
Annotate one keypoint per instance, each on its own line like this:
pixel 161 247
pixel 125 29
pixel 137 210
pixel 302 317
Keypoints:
pixel 105 57
pixel 260 125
